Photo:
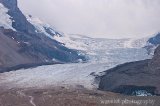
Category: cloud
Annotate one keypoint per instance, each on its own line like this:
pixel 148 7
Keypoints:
pixel 98 18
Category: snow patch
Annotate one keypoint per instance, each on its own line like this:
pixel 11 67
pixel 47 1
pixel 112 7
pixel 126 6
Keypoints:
pixel 142 93
pixel 5 19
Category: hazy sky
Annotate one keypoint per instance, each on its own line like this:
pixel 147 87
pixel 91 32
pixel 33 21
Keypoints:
pixel 98 18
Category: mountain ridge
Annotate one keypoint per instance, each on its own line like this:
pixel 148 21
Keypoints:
pixel 25 45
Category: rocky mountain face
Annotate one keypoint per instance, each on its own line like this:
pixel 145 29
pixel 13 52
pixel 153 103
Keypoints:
pixel 141 77
pixel 155 40
pixel 25 45
pixel 154 64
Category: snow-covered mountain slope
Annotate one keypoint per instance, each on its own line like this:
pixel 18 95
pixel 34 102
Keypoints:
pixel 42 27
pixel 19 21
pixel 5 20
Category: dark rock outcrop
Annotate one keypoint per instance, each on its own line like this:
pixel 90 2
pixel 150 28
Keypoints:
pixel 155 40
pixel 133 77
pixel 20 48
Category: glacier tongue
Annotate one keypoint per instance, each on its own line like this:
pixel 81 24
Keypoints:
pixel 103 54
pixel 5 19
pixel 53 75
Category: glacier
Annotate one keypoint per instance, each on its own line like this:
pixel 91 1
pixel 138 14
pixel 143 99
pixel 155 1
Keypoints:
pixel 102 55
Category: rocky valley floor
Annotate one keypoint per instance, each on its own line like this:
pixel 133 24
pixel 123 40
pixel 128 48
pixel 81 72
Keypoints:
pixel 61 96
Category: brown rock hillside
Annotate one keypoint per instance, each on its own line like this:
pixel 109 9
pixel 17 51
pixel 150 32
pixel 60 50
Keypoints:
pixel 135 76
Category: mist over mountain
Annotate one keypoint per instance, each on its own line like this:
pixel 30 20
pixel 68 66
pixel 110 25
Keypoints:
pixel 98 18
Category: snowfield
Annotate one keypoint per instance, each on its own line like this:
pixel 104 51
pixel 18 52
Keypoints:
pixel 5 20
